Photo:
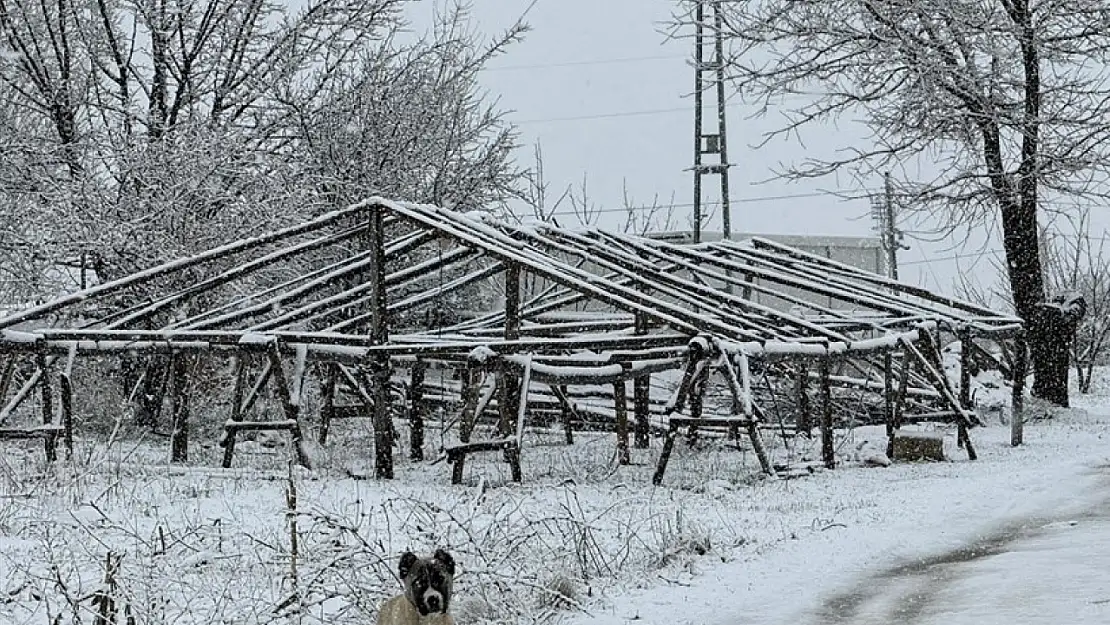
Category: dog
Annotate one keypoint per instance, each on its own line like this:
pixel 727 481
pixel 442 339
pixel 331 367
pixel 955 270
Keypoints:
pixel 428 583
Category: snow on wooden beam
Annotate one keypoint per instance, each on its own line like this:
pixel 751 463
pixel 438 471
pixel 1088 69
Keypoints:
pixel 880 281
pixel 180 264
pixel 265 260
pixel 471 232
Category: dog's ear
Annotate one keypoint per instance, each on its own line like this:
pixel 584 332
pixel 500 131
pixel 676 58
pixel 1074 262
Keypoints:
pixel 445 559
pixel 408 560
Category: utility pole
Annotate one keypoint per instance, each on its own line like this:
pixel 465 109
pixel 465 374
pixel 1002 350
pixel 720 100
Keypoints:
pixel 883 211
pixel 709 73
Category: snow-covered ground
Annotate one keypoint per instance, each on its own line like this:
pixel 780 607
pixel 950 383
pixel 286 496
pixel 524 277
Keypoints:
pixel 581 541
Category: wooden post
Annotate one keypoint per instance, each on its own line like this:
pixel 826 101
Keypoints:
pixel 179 408
pixel 416 411
pixel 50 443
pixel 380 368
pixel 327 408
pixel 1017 412
pixel 804 423
pixel 641 395
pixel 620 403
pixel 828 450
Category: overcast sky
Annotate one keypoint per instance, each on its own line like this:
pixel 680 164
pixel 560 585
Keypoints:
pixel 601 89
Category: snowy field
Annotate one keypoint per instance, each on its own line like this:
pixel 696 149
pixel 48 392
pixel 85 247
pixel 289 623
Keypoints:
pixel 581 541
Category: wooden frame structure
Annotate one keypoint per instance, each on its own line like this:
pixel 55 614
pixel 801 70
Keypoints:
pixel 337 296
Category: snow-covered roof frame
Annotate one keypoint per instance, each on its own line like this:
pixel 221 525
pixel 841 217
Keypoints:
pixel 678 290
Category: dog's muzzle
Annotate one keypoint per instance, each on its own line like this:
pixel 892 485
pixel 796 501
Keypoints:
pixel 434 600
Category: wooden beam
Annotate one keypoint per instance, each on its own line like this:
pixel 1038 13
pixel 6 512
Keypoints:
pixel 379 365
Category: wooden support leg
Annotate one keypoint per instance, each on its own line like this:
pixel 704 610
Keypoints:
pixel 665 455
pixel 457 469
pixel 804 423
pixel 828 450
pixel 66 388
pixel 50 442
pixel 6 378
pixel 514 462
pixel 289 407
pixel 903 381
pixel 471 388
pixel 888 401
pixel 327 408
pixel 227 441
pixel 416 411
pixel 935 374
pixel 697 404
pixel 383 422
pixel 179 402
pixel 1017 413
pixel 567 412
pixel 620 402
pixel 641 394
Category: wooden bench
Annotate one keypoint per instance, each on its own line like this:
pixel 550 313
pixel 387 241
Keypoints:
pixel 731 425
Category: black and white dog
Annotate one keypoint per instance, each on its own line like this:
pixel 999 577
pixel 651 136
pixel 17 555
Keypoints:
pixel 428 583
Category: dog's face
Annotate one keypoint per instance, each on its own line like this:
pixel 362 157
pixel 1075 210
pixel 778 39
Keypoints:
pixel 428 581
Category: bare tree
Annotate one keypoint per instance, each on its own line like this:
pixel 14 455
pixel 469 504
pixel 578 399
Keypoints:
pixel 151 129
pixel 1002 103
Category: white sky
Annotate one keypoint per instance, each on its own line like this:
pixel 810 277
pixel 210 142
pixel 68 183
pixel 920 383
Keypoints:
pixel 598 85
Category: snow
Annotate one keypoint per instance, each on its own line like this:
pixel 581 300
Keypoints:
pixel 715 544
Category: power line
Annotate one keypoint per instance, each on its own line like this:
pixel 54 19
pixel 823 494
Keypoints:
pixel 616 114
pixel 589 62
pixel 734 200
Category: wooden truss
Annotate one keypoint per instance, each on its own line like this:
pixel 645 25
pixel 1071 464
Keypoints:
pixel 356 295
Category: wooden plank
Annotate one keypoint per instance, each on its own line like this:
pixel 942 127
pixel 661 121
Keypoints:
pixel 641 394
